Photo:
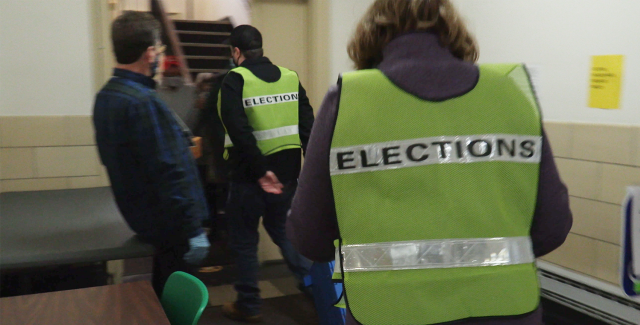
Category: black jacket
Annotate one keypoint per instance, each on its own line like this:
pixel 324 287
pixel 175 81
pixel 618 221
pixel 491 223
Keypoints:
pixel 246 162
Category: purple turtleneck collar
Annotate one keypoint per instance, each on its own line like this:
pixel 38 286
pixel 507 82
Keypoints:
pixel 417 63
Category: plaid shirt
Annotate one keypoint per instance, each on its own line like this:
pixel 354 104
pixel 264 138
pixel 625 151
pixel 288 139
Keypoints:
pixel 153 174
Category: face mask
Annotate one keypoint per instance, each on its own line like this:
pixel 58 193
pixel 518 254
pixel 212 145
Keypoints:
pixel 154 66
pixel 235 62
pixel 232 63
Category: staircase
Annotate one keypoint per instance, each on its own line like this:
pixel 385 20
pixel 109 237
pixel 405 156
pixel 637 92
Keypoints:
pixel 201 43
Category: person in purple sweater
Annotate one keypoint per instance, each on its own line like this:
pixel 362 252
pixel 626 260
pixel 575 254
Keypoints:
pixel 424 49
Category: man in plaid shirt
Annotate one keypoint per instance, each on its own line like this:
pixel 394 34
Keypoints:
pixel 153 174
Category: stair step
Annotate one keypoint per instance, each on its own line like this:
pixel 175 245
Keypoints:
pixel 223 21
pixel 224 46
pixel 204 33
pixel 204 49
pixel 203 26
pixel 208 57
pixel 209 70
pixel 195 72
pixel 207 62
pixel 203 37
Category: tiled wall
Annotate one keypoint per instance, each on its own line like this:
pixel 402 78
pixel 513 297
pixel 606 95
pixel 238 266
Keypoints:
pixel 597 162
pixel 48 153
pixel 59 152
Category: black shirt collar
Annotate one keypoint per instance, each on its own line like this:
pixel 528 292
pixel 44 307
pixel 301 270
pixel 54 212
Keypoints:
pixel 257 61
pixel 136 77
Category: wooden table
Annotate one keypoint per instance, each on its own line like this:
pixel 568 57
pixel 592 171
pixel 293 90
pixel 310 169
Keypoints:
pixel 126 304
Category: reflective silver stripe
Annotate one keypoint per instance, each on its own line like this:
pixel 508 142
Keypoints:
pixel 437 254
pixel 268 134
pixel 270 99
pixel 276 133
pixel 436 150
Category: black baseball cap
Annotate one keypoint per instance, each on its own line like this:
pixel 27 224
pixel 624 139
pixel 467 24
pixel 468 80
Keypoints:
pixel 245 37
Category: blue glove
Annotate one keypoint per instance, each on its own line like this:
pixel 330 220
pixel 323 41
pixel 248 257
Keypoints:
pixel 199 249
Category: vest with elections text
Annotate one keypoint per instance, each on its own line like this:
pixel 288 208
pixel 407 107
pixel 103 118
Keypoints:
pixel 435 200
pixel 272 110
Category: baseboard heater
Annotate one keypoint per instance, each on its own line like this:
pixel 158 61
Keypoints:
pixel 588 296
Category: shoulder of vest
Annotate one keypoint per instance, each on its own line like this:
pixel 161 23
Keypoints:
pixel 503 69
pixel 286 70
pixel 517 74
pixel 367 75
pixel 514 72
pixel 361 72
pixel 240 70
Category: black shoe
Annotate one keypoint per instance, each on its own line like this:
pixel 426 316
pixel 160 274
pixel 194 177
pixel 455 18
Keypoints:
pixel 230 311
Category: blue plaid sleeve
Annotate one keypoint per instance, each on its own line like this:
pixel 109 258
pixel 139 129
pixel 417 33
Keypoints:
pixel 164 155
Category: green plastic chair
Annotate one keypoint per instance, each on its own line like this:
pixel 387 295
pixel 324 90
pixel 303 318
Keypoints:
pixel 184 299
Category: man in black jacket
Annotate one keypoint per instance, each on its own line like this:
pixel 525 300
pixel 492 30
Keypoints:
pixel 264 162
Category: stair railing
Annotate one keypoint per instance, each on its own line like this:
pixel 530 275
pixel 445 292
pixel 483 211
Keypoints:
pixel 170 38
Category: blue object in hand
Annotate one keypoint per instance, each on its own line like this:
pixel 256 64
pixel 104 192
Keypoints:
pixel 199 249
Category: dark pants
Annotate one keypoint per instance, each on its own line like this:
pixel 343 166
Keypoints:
pixel 247 203
pixel 169 258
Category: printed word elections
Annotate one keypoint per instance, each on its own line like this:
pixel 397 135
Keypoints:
pixel 269 99
pixel 436 150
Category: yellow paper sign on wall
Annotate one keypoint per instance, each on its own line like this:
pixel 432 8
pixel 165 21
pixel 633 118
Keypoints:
pixel 606 81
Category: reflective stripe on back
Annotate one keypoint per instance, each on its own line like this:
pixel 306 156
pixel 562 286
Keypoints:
pixel 268 134
pixel 437 254
pixel 276 133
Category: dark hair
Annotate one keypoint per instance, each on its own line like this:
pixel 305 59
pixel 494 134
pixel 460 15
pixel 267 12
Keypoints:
pixel 132 33
pixel 253 54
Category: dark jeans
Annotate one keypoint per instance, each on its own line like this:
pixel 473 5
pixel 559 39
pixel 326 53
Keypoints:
pixel 169 258
pixel 247 203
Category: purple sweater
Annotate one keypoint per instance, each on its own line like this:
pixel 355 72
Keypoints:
pixel 419 65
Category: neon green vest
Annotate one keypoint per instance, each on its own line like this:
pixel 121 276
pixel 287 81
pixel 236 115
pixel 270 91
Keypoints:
pixel 435 200
pixel 272 110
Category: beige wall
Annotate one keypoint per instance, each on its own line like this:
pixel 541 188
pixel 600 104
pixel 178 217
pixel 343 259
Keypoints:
pixel 319 52
pixel 48 153
pixel 597 162
pixel 296 35
pixel 175 8
pixel 103 58
pixel 284 27
pixel 45 58
pixel 236 10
